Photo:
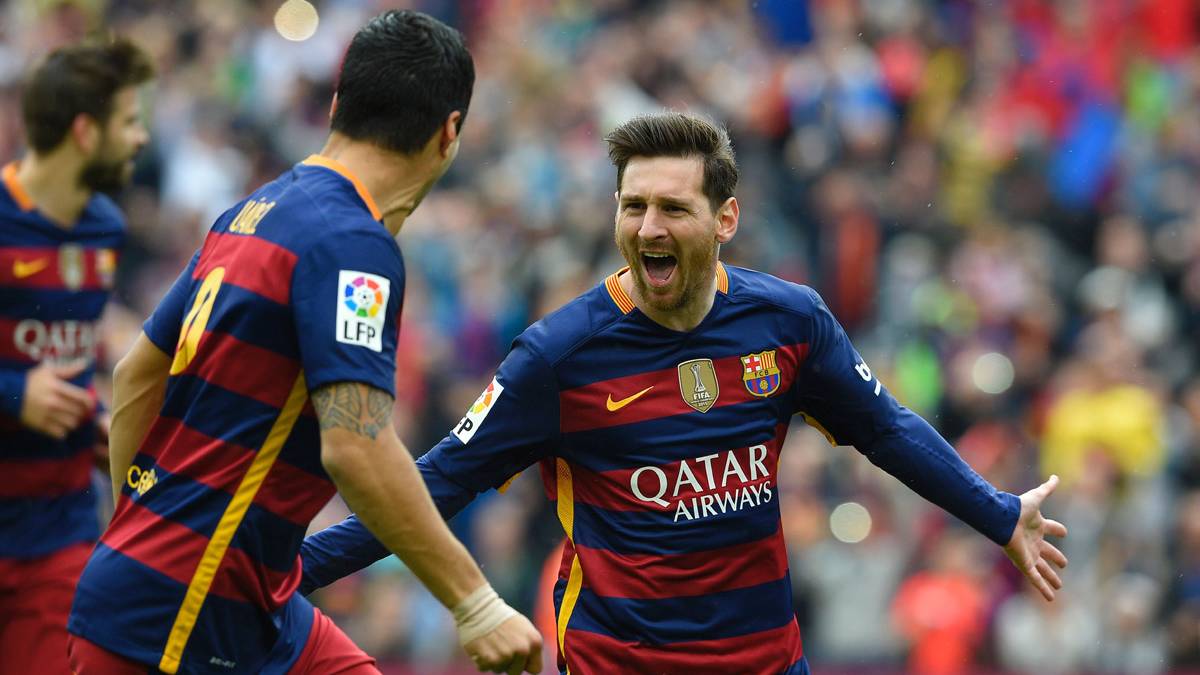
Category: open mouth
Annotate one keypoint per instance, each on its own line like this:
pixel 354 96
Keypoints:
pixel 659 267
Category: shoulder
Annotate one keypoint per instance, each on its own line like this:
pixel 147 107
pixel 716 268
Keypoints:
pixel 559 333
pixel 339 219
pixel 750 286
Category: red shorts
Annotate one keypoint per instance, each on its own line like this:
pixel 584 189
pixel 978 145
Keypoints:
pixel 35 600
pixel 328 650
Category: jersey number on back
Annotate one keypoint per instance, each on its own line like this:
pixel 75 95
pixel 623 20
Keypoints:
pixel 196 320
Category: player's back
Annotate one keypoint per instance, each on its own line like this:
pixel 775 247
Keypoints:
pixel 200 562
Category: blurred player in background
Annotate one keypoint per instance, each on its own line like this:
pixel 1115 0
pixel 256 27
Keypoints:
pixel 59 241
pixel 656 405
pixel 218 463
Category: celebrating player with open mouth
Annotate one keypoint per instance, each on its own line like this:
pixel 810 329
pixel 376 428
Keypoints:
pixel 656 405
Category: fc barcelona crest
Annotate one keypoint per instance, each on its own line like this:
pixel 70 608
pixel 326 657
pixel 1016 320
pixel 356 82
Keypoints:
pixel 106 266
pixel 760 374
pixel 698 383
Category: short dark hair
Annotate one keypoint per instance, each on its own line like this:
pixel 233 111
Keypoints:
pixel 676 134
pixel 403 74
pixel 79 79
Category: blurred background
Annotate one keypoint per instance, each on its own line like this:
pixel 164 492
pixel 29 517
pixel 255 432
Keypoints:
pixel 1000 200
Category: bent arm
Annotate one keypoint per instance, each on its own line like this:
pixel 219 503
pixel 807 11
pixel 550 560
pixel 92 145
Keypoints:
pixel 343 549
pixel 379 481
pixel 512 424
pixel 139 384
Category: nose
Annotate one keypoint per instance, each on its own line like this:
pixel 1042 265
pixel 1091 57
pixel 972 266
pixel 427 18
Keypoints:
pixel 653 226
pixel 141 138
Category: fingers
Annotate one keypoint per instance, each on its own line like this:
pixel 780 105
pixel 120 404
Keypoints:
pixel 1046 489
pixel 69 370
pixel 1039 583
pixel 77 396
pixel 513 651
pixel 534 664
pixel 1051 553
pixel 1049 575
pixel 1055 528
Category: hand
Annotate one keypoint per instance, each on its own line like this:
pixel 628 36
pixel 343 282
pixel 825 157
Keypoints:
pixel 52 405
pixel 1028 548
pixel 513 647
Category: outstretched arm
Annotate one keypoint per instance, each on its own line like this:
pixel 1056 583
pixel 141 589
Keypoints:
pixel 840 392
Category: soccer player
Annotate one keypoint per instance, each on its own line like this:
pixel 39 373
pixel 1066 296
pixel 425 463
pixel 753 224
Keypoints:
pixel 656 405
pixel 59 241
pixel 264 379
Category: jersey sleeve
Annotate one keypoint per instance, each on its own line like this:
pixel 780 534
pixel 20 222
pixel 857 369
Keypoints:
pixel 163 325
pixel 512 424
pixel 839 394
pixel 347 292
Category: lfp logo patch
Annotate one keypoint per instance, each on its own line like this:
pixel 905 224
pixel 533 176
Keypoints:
pixel 478 412
pixel 760 374
pixel 362 308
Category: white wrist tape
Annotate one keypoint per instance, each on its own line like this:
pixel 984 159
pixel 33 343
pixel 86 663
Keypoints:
pixel 479 613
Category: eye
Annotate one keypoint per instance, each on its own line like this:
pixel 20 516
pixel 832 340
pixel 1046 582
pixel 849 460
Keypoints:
pixel 634 206
pixel 674 208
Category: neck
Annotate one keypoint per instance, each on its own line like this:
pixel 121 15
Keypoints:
pixel 681 319
pixel 53 184
pixel 396 182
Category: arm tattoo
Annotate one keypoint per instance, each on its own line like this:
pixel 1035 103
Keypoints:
pixel 354 407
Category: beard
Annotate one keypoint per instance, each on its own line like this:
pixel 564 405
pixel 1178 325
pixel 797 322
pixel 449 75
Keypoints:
pixel 102 174
pixel 695 270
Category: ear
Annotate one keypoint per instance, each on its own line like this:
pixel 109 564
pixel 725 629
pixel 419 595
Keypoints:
pixel 85 131
pixel 727 220
pixel 449 133
pixel 333 106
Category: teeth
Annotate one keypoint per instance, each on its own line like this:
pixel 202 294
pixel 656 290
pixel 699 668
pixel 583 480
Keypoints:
pixel 657 255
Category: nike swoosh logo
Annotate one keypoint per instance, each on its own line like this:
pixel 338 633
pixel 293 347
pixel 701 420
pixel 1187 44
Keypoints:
pixel 28 268
pixel 614 406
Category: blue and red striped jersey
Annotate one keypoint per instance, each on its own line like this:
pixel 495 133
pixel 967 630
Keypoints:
pixel 661 449
pixel 294 288
pixel 54 282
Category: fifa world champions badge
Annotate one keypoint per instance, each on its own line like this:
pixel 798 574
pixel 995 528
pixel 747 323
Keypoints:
pixel 70 265
pixel 760 374
pixel 361 308
pixel 698 383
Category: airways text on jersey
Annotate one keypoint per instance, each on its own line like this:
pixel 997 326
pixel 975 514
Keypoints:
pixel 709 485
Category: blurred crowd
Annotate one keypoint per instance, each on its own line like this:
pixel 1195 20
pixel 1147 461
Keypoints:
pixel 999 199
